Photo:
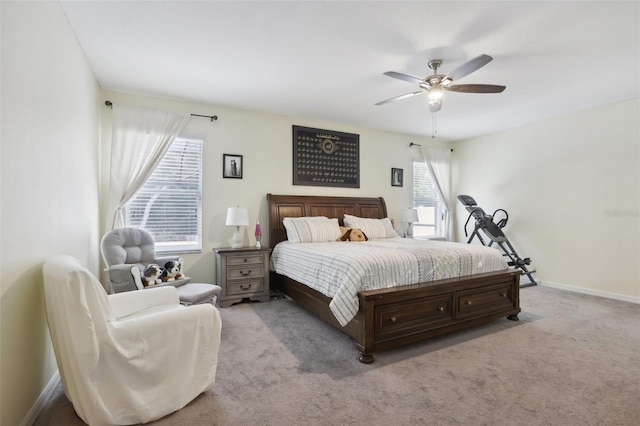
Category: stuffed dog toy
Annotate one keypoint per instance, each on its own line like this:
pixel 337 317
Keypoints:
pixel 352 234
pixel 151 275
pixel 172 271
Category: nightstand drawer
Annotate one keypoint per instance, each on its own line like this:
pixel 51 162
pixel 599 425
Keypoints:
pixel 245 272
pixel 245 260
pixel 245 287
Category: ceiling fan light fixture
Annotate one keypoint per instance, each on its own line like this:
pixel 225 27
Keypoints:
pixel 435 94
pixel 446 82
pixel 435 98
pixel 434 106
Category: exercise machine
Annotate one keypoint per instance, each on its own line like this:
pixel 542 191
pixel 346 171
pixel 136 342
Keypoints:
pixel 491 227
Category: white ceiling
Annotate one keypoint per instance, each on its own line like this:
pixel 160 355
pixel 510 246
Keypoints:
pixel 325 59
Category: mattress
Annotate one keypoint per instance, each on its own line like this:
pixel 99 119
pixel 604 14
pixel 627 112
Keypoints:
pixel 339 270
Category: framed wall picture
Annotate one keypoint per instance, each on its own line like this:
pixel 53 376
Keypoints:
pixel 325 158
pixel 396 177
pixel 232 166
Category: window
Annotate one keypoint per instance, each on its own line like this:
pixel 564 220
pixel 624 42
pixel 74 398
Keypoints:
pixel 428 204
pixel 169 204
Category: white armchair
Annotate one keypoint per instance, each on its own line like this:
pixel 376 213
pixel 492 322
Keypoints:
pixel 131 357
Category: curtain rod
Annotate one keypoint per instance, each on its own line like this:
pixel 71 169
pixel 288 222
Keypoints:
pixel 211 117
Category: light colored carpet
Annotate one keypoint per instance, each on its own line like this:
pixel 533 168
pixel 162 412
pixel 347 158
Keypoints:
pixel 570 360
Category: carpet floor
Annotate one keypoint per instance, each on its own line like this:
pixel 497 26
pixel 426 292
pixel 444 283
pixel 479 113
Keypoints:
pixel 572 359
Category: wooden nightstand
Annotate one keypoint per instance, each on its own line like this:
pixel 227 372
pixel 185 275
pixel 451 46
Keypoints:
pixel 242 273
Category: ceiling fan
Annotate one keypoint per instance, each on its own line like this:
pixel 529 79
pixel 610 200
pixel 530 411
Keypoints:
pixel 435 84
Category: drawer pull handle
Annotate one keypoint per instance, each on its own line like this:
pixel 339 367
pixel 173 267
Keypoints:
pixel 441 308
pixel 245 286
pixel 243 273
pixel 503 294
pixel 468 302
pixel 393 319
pixel 245 260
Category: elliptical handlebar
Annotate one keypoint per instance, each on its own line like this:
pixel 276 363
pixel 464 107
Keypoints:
pixel 502 222
pixel 471 214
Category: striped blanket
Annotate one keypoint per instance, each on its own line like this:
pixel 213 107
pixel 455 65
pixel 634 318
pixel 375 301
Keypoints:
pixel 339 270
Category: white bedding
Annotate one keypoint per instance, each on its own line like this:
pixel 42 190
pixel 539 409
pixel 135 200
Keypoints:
pixel 339 270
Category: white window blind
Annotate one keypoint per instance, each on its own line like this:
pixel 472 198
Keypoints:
pixel 427 202
pixel 169 204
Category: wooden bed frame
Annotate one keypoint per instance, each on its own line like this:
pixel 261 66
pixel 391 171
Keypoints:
pixel 396 316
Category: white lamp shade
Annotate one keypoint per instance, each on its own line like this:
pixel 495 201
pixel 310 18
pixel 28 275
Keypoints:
pixel 410 215
pixel 237 216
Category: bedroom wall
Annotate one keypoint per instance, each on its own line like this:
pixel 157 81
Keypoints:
pixel 265 142
pixel 49 163
pixel 571 187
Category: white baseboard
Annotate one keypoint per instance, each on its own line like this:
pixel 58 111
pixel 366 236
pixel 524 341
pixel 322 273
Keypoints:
pixel 605 294
pixel 42 400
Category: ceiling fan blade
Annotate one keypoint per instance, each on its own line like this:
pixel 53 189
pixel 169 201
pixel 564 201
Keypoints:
pixel 404 77
pixel 397 98
pixel 469 67
pixel 475 88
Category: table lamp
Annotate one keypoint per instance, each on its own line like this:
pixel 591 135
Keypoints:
pixel 409 216
pixel 237 216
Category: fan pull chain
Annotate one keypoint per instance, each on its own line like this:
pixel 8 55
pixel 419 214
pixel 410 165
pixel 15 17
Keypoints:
pixel 434 126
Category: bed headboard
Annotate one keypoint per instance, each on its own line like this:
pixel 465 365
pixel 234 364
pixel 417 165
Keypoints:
pixel 281 206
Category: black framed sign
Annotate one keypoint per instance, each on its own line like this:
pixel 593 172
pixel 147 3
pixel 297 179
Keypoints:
pixel 325 158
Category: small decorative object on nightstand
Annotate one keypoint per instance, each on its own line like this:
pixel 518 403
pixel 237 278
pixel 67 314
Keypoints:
pixel 242 273
pixel 258 234
pixel 409 216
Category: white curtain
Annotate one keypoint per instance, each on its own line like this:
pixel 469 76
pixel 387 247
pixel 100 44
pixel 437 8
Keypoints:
pixel 438 161
pixel 140 137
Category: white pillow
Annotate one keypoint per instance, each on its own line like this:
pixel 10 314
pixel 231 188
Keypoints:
pixel 373 228
pixel 311 229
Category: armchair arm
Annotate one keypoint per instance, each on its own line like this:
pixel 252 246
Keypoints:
pixel 124 304
pixel 121 277
pixel 159 328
